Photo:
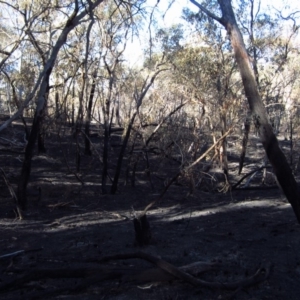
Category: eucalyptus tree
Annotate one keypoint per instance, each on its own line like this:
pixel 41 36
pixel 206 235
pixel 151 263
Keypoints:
pixel 139 93
pixel 203 66
pixel 116 23
pixel 269 141
pixel 39 35
pixel 70 15
pixel 211 79
pixel 270 40
pixel 83 60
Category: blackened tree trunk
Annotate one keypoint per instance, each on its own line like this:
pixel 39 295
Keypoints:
pixel 79 122
pixel 78 156
pixel 223 151
pixel 41 125
pixel 42 128
pixel 42 86
pixel 276 157
pixel 72 114
pixel 41 137
pixel 79 118
pixel 105 156
pixel 87 149
pixel 114 186
pixel 107 130
pixel 26 167
pixel 139 102
pixel 57 106
pixel 244 143
pixel 118 117
pixel 107 120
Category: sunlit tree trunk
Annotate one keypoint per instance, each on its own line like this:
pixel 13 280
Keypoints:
pixel 276 157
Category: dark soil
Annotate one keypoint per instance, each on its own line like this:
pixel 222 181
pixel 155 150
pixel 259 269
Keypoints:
pixel 67 230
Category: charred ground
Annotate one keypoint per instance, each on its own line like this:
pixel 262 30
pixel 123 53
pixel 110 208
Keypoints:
pixel 70 226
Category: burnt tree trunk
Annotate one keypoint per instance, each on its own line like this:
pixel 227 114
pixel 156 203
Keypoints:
pixel 118 117
pixel 42 129
pixel 26 167
pixel 57 106
pixel 139 101
pixel 79 123
pixel 78 157
pixel 108 116
pixel 41 137
pixel 107 130
pixel 73 106
pixel 42 87
pixel 244 144
pixel 105 156
pixel 291 141
pixel 87 149
pixel 114 186
pixel 223 146
pixel 142 230
pixel 276 157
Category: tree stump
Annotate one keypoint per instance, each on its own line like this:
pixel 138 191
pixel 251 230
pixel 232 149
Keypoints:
pixel 142 230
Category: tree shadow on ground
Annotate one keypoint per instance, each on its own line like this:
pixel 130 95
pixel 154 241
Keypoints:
pixel 72 226
pixel 242 234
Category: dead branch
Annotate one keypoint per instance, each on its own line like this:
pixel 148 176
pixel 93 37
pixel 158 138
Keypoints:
pixel 102 273
pixel 13 254
pixel 16 253
pixel 247 175
pixel 12 142
pixel 257 188
pixel 185 170
pixel 159 275
pixel 259 276
pixel 166 271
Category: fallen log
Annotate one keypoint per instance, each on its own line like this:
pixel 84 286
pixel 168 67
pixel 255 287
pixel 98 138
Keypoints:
pixel 164 272
pixel 260 275
pixel 159 275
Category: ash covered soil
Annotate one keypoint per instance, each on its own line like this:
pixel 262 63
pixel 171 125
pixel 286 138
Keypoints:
pixel 56 251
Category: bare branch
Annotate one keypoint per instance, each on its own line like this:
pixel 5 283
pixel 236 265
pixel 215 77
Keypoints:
pixel 210 14
pixel 4 52
pixel 71 23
